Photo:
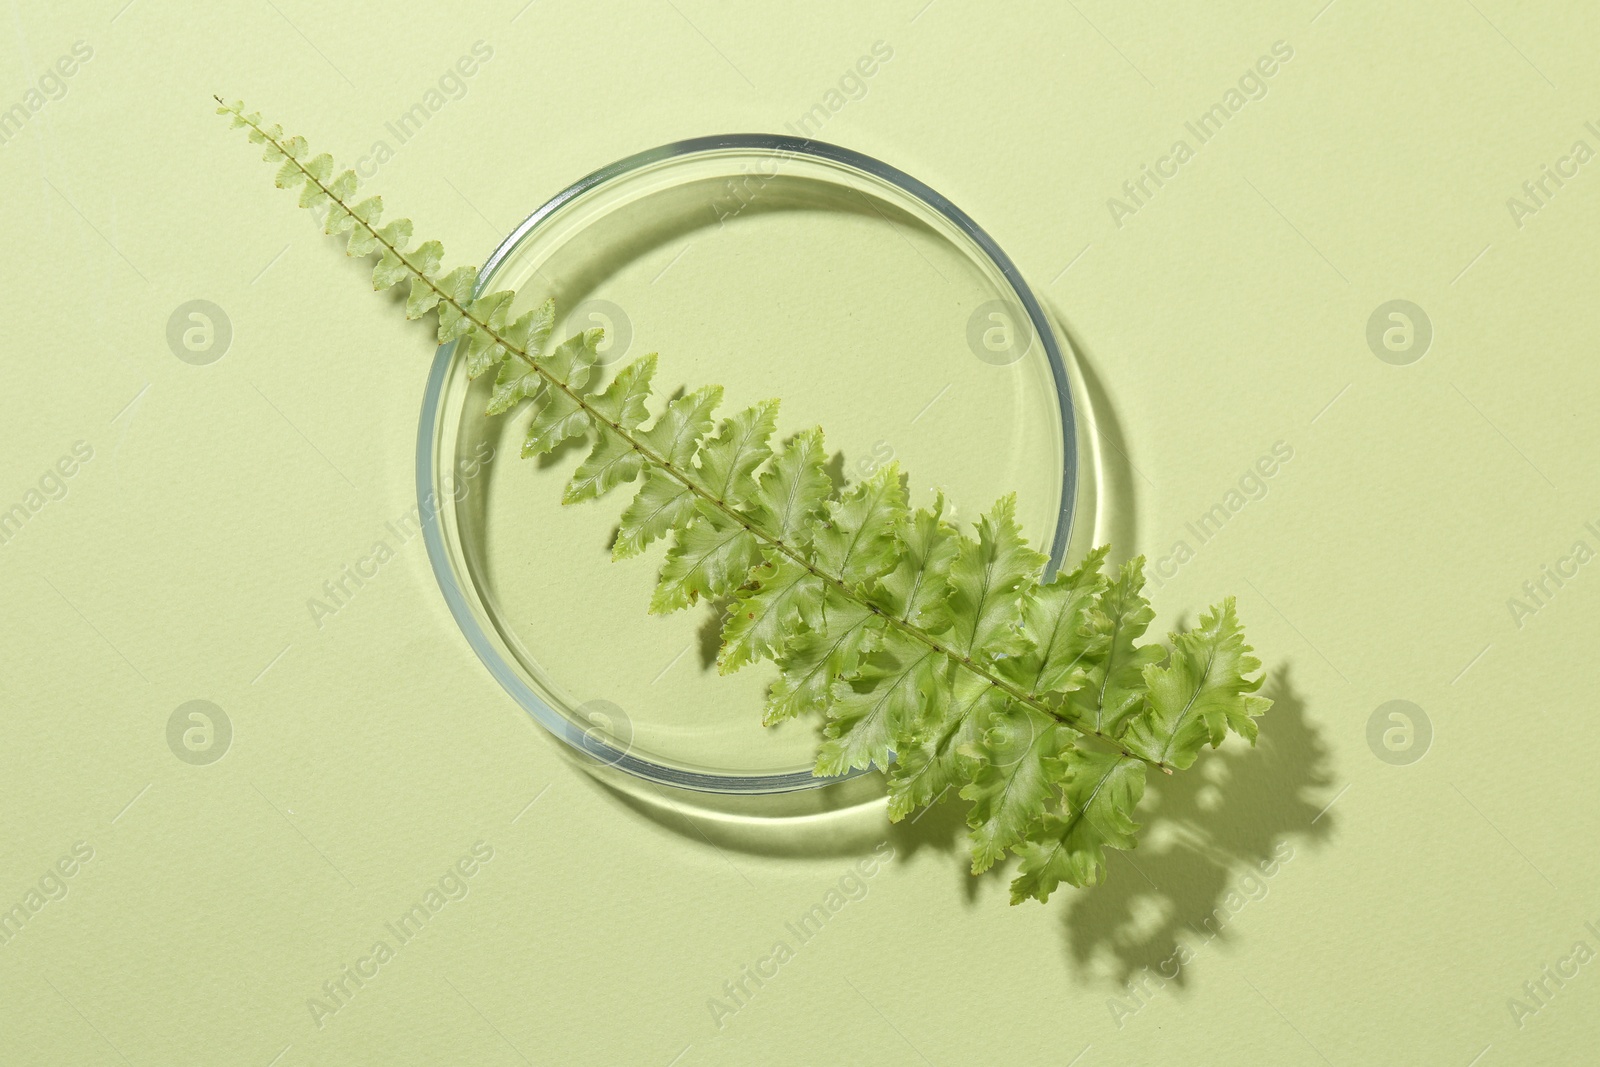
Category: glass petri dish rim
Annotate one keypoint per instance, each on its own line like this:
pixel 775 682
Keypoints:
pixel 429 429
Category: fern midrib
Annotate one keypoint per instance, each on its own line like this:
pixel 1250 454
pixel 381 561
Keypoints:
pixel 915 632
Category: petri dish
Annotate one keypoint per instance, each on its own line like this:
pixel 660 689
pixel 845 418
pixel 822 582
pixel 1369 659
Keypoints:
pixel 776 267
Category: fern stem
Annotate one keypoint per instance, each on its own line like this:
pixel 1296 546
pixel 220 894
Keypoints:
pixel 650 456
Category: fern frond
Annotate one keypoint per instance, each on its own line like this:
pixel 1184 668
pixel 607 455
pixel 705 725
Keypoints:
pixel 937 656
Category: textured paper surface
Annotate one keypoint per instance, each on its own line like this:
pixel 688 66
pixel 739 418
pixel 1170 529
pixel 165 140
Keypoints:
pixel 1327 901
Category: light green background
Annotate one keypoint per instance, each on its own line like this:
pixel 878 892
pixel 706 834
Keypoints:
pixel 1227 314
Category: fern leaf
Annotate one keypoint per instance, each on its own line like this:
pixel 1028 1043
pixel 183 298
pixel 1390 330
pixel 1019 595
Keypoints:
pixel 614 459
pixel 270 136
pixel 925 771
pixel 915 590
pixel 1114 681
pixel 519 379
pixel 484 347
pixel 709 557
pixel 259 134
pixel 491 309
pixel 396 234
pixel 987 583
pixel 675 436
pixel 426 258
pixel 1018 766
pixel 421 266
pixel 622 404
pixel 515 382
pixel 340 190
pixel 861 535
pixel 662 505
pixel 423 297
pixel 664 501
pixel 392 266
pixel 817 660
pixel 610 462
pixel 785 597
pixel 363 237
pixel 318 170
pixel 557 414
pixel 728 460
pixel 1101 791
pixel 455 291
pixel 531 332
pixel 1201 694
pixel 288 174
pixel 885 700
pixel 273 153
pixel 793 489
pixel 1055 623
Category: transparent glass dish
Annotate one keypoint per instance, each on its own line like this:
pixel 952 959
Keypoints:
pixel 776 267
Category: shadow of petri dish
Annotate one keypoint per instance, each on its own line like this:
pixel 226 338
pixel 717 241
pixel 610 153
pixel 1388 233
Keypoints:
pixel 774 267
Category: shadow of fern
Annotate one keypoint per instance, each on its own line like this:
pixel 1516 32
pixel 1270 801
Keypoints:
pixel 1211 836
pixel 1215 838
